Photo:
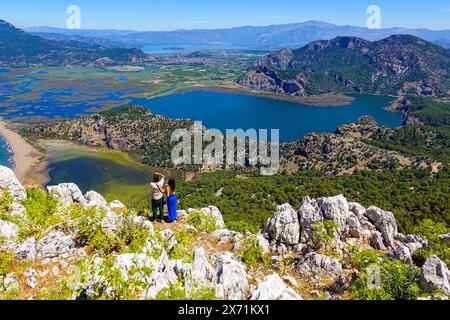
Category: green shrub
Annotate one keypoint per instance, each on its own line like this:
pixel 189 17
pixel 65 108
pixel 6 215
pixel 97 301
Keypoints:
pixel 41 208
pixel 429 229
pixel 5 205
pixel 183 248
pixel 107 281
pixel 322 233
pixel 128 236
pixel 6 260
pixel 398 281
pixel 135 237
pixel 242 226
pixel 179 291
pixel 110 284
pixel 143 207
pixel 252 253
pixel 361 259
pixel 74 211
pixel 172 292
pixel 202 221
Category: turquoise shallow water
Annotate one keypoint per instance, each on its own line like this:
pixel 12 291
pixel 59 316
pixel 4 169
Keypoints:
pixel 6 155
pixel 233 111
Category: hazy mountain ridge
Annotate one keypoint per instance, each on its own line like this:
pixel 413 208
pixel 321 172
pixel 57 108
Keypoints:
pixel 88 40
pixel 18 48
pixel 398 65
pixel 287 35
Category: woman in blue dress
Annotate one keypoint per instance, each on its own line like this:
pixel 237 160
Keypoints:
pixel 171 200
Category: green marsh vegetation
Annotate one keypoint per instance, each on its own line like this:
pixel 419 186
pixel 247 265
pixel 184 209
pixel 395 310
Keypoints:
pixel 77 90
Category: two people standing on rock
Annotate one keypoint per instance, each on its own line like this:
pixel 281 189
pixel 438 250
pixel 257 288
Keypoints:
pixel 158 192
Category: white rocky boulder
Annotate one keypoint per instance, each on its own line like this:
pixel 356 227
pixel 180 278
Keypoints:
pixel 17 210
pixel 308 215
pixel 26 251
pixel 231 276
pixel 336 209
pixel 283 226
pixel 96 200
pixel 169 237
pixel 126 262
pixel 182 214
pixel 53 245
pixel 140 222
pixel 252 239
pixel 354 226
pixel 133 268
pixel 9 182
pixel 385 223
pixel 412 242
pixel 377 241
pixel 357 209
pixel 30 277
pixel 274 288
pixel 8 230
pixel 313 264
pixel 161 278
pixel 116 205
pixel 445 239
pixel 111 222
pixel 202 272
pixel 226 233
pixel 435 276
pixel 263 243
pixel 401 253
pixel 214 212
pixel 8 285
pixel 67 193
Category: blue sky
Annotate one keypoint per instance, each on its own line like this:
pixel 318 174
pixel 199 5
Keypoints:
pixel 199 14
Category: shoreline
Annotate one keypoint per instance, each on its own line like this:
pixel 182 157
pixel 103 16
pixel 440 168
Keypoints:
pixel 29 166
pixel 320 101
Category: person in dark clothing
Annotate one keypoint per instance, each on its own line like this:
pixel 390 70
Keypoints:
pixel 157 187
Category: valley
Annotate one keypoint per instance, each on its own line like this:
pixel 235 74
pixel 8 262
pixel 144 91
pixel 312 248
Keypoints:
pixel 361 158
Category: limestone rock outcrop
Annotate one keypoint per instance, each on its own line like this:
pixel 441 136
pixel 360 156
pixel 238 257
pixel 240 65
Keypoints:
pixel 9 182
pixel 377 227
pixel 273 288
pixel 435 276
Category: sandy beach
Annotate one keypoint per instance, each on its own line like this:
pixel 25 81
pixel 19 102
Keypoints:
pixel 29 166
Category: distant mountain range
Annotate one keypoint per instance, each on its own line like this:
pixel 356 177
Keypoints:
pixel 19 48
pixel 273 36
pixel 87 40
pixel 397 65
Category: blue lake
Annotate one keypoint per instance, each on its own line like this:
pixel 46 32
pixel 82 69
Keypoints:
pixel 215 109
pixel 183 48
pixel 232 111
